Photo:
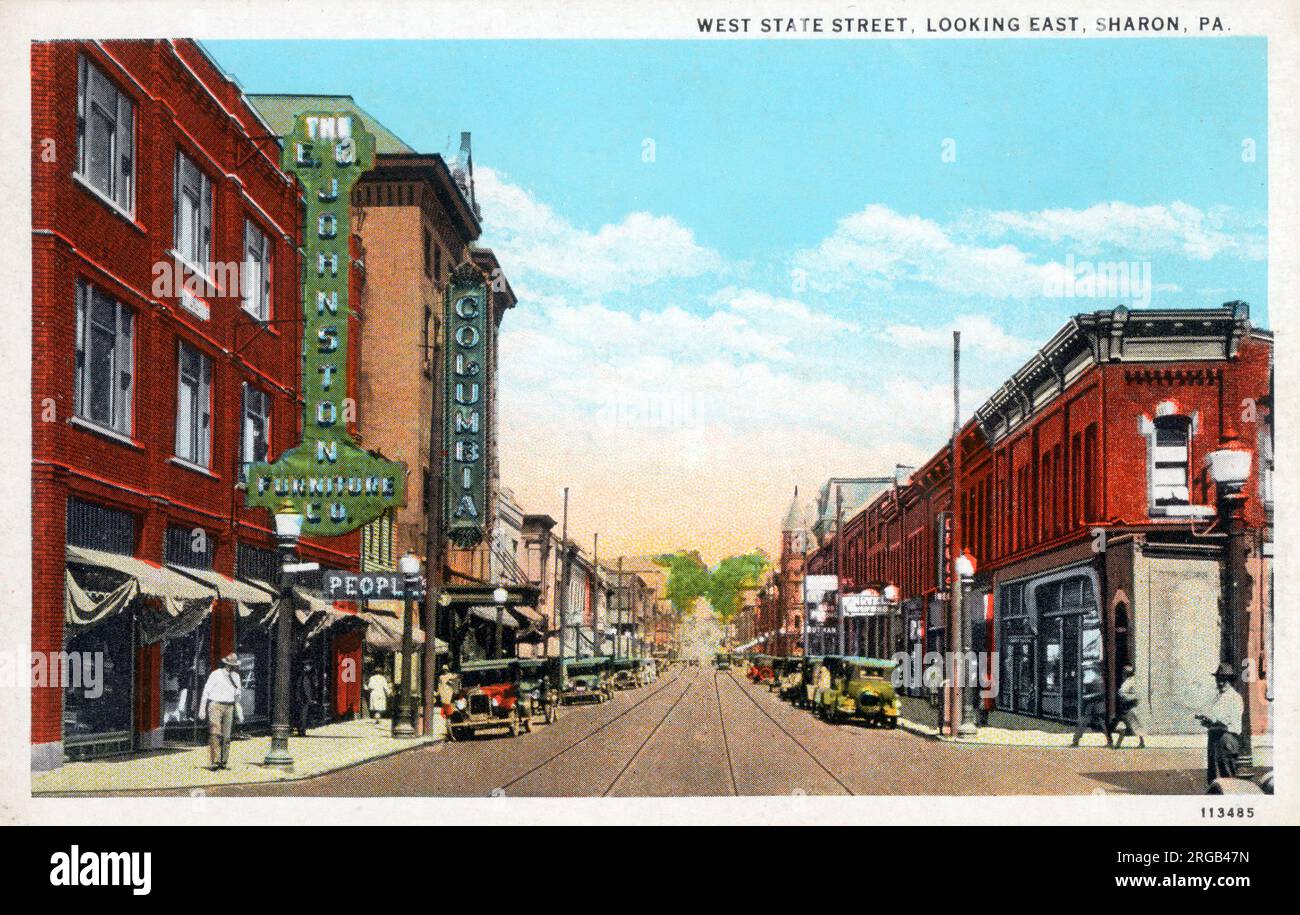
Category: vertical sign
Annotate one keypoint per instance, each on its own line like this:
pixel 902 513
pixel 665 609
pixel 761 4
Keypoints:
pixel 465 417
pixel 333 483
pixel 943 551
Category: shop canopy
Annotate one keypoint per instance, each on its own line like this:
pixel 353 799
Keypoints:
pixel 384 632
pixel 248 598
pixel 90 596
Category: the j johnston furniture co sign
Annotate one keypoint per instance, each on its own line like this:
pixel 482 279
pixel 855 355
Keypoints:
pixel 335 484
pixel 465 416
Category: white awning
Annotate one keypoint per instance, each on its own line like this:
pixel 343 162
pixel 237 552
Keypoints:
pixel 247 597
pixel 183 601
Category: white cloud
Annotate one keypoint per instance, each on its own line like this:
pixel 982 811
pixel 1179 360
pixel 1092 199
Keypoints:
pixel 877 248
pixel 977 332
pixel 539 246
pixel 1175 228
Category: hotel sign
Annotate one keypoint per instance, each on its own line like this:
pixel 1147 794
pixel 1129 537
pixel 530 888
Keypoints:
pixel 465 401
pixel 334 483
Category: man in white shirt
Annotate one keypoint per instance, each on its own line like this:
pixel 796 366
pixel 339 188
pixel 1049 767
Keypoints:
pixel 220 705
pixel 1222 722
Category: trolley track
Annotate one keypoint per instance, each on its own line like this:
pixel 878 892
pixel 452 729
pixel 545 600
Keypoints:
pixel 660 690
pixel 726 744
pixel 782 728
pixel 627 765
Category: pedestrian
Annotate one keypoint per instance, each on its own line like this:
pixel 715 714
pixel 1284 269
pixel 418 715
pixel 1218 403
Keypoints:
pixel 219 704
pixel 305 696
pixel 1092 708
pixel 1222 722
pixel 1126 709
pixel 379 689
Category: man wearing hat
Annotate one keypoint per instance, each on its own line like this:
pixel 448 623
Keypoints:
pixel 1222 722
pixel 220 705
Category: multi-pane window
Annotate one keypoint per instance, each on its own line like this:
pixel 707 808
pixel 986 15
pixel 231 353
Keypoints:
pixel 1169 461
pixel 193 213
pixel 192 547
pixel 254 428
pixel 194 407
pixel 105 135
pixel 256 278
pixel 103 385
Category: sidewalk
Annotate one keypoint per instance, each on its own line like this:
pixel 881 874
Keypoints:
pixel 324 749
pixel 918 717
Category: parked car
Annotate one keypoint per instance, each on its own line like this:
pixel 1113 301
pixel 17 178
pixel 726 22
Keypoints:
pixel 812 673
pixel 586 680
pixel 789 677
pixel 539 679
pixel 486 695
pixel 722 661
pixel 625 674
pixel 860 688
pixel 761 668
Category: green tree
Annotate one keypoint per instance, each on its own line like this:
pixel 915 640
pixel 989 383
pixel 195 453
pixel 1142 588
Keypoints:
pixel 688 579
pixel 730 579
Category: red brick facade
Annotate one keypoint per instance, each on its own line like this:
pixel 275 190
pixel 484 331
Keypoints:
pixel 1056 472
pixel 181 102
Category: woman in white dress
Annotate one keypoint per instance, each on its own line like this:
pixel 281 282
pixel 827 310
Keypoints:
pixel 379 691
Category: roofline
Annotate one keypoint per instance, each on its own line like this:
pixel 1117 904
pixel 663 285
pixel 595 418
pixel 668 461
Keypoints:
pixel 437 170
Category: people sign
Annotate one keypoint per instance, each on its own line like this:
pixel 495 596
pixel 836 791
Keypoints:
pixel 335 484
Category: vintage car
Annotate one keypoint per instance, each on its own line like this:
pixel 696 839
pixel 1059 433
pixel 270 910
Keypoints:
pixel 788 679
pixel 722 661
pixel 586 680
pixel 760 668
pixel 487 695
pixel 539 679
pixel 860 688
pixel 811 672
pixel 625 674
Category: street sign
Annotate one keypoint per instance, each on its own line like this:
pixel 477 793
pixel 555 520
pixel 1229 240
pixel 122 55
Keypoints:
pixel 336 485
pixel 337 585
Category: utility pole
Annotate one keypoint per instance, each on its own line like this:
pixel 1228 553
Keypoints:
pixel 621 592
pixel 839 546
pixel 596 591
pixel 959 696
pixel 432 547
pixel 562 599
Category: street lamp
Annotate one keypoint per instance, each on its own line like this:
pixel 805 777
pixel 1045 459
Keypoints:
pixel 499 597
pixel 1229 468
pixel 288 529
pixel 409 566
pixel 964 567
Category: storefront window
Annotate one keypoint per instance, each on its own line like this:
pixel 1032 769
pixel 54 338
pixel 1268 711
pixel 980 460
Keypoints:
pixel 101 707
pixel 185 666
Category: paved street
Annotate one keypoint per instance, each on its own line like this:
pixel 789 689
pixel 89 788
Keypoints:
pixel 699 732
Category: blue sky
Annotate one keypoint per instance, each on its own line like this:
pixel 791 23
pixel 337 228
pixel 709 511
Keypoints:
pixel 768 301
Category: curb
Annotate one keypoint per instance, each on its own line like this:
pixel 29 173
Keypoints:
pixel 415 744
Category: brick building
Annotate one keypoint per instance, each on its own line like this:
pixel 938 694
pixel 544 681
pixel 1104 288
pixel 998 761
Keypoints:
pixel 165 359
pixel 1094 525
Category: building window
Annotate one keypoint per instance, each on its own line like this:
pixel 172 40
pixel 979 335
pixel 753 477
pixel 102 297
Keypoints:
pixel 105 135
pixel 194 407
pixel 193 214
pixel 256 285
pixel 254 429
pixel 192 547
pixel 428 253
pixel 1169 441
pixel 105 355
